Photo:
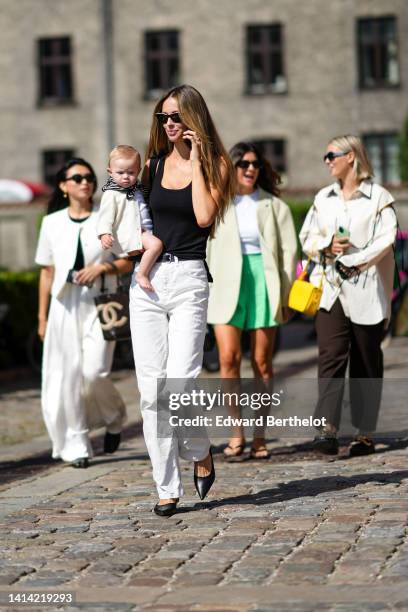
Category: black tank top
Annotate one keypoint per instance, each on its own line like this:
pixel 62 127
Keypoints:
pixel 79 259
pixel 174 221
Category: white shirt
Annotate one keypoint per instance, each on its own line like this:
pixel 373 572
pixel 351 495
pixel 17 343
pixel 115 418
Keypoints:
pixel 245 208
pixel 372 224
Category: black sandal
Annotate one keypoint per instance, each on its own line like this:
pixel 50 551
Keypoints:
pixel 261 449
pixel 237 450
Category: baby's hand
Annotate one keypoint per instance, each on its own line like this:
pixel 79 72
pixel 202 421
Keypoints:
pixel 107 241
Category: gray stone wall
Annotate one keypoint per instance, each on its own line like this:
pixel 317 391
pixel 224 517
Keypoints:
pixel 19 226
pixel 26 128
pixel 322 100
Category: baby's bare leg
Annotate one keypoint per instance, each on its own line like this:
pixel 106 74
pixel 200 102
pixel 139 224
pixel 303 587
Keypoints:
pixel 152 249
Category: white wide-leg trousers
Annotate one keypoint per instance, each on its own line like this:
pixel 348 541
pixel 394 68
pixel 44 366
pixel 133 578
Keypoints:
pixel 77 394
pixel 168 329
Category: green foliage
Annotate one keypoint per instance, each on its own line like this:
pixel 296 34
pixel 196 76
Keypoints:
pixel 403 152
pixel 18 291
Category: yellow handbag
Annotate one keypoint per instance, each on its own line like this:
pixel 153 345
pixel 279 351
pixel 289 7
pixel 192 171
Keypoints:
pixel 303 296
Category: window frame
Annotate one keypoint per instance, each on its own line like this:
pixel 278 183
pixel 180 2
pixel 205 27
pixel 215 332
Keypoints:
pixel 66 154
pixel 261 142
pixel 64 60
pixel 265 89
pixel 378 84
pixel 150 93
pixel 384 168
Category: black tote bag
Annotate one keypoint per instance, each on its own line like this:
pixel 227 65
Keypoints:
pixel 113 313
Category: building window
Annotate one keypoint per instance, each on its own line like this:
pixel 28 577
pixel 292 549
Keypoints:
pixel 52 162
pixel 275 152
pixel 378 52
pixel 383 151
pixel 55 70
pixel 265 65
pixel 162 63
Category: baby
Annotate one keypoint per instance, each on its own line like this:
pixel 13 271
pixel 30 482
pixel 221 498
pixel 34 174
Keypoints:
pixel 124 223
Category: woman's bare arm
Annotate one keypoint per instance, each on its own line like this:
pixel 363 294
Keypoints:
pixel 205 197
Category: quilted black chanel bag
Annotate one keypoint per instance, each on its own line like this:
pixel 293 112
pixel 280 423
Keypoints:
pixel 113 313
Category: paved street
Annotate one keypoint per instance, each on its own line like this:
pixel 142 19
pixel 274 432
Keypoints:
pixel 297 532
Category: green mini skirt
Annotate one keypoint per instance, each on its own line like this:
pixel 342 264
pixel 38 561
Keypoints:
pixel 253 310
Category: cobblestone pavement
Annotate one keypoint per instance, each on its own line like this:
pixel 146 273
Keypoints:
pixel 302 535
pixel 296 532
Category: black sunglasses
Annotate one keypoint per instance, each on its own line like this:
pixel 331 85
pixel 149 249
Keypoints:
pixel 78 178
pixel 244 164
pixel 332 155
pixel 163 117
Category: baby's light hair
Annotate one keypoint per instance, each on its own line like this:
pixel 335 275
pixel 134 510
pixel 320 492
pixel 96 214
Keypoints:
pixel 123 152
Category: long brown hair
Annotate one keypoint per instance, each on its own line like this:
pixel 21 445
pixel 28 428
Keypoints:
pixel 216 164
pixel 268 178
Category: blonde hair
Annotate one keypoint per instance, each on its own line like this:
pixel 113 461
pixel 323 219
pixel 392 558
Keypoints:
pixel 217 167
pixel 362 166
pixel 123 152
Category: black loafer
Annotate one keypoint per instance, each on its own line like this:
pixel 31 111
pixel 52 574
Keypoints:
pixel 361 445
pixel 165 509
pixel 82 462
pixel 111 442
pixel 326 444
pixel 204 483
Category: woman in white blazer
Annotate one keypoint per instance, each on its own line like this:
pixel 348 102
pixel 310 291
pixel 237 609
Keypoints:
pixel 76 391
pixel 252 259
pixel 350 231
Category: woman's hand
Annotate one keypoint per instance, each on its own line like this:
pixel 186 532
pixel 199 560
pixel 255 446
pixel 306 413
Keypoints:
pixel 339 245
pixel 42 326
pixel 195 154
pixel 89 274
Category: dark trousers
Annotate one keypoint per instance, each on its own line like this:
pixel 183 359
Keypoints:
pixel 341 342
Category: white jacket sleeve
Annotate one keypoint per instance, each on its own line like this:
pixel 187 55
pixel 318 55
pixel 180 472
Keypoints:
pixel 312 238
pixel 44 255
pixel 385 232
pixel 107 213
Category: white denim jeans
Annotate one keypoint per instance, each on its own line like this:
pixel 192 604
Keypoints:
pixel 168 329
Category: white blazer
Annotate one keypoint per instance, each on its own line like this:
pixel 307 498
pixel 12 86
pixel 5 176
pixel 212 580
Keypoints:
pixel 58 244
pixel 123 219
pixel 372 225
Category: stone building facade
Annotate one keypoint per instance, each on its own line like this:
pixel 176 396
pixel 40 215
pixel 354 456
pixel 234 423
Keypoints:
pixel 288 73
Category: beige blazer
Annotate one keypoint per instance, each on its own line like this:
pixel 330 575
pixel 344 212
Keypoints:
pixel 279 254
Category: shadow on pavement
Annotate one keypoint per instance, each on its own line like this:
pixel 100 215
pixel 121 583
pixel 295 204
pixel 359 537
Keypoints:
pixel 307 487
pixel 14 471
pixel 304 451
